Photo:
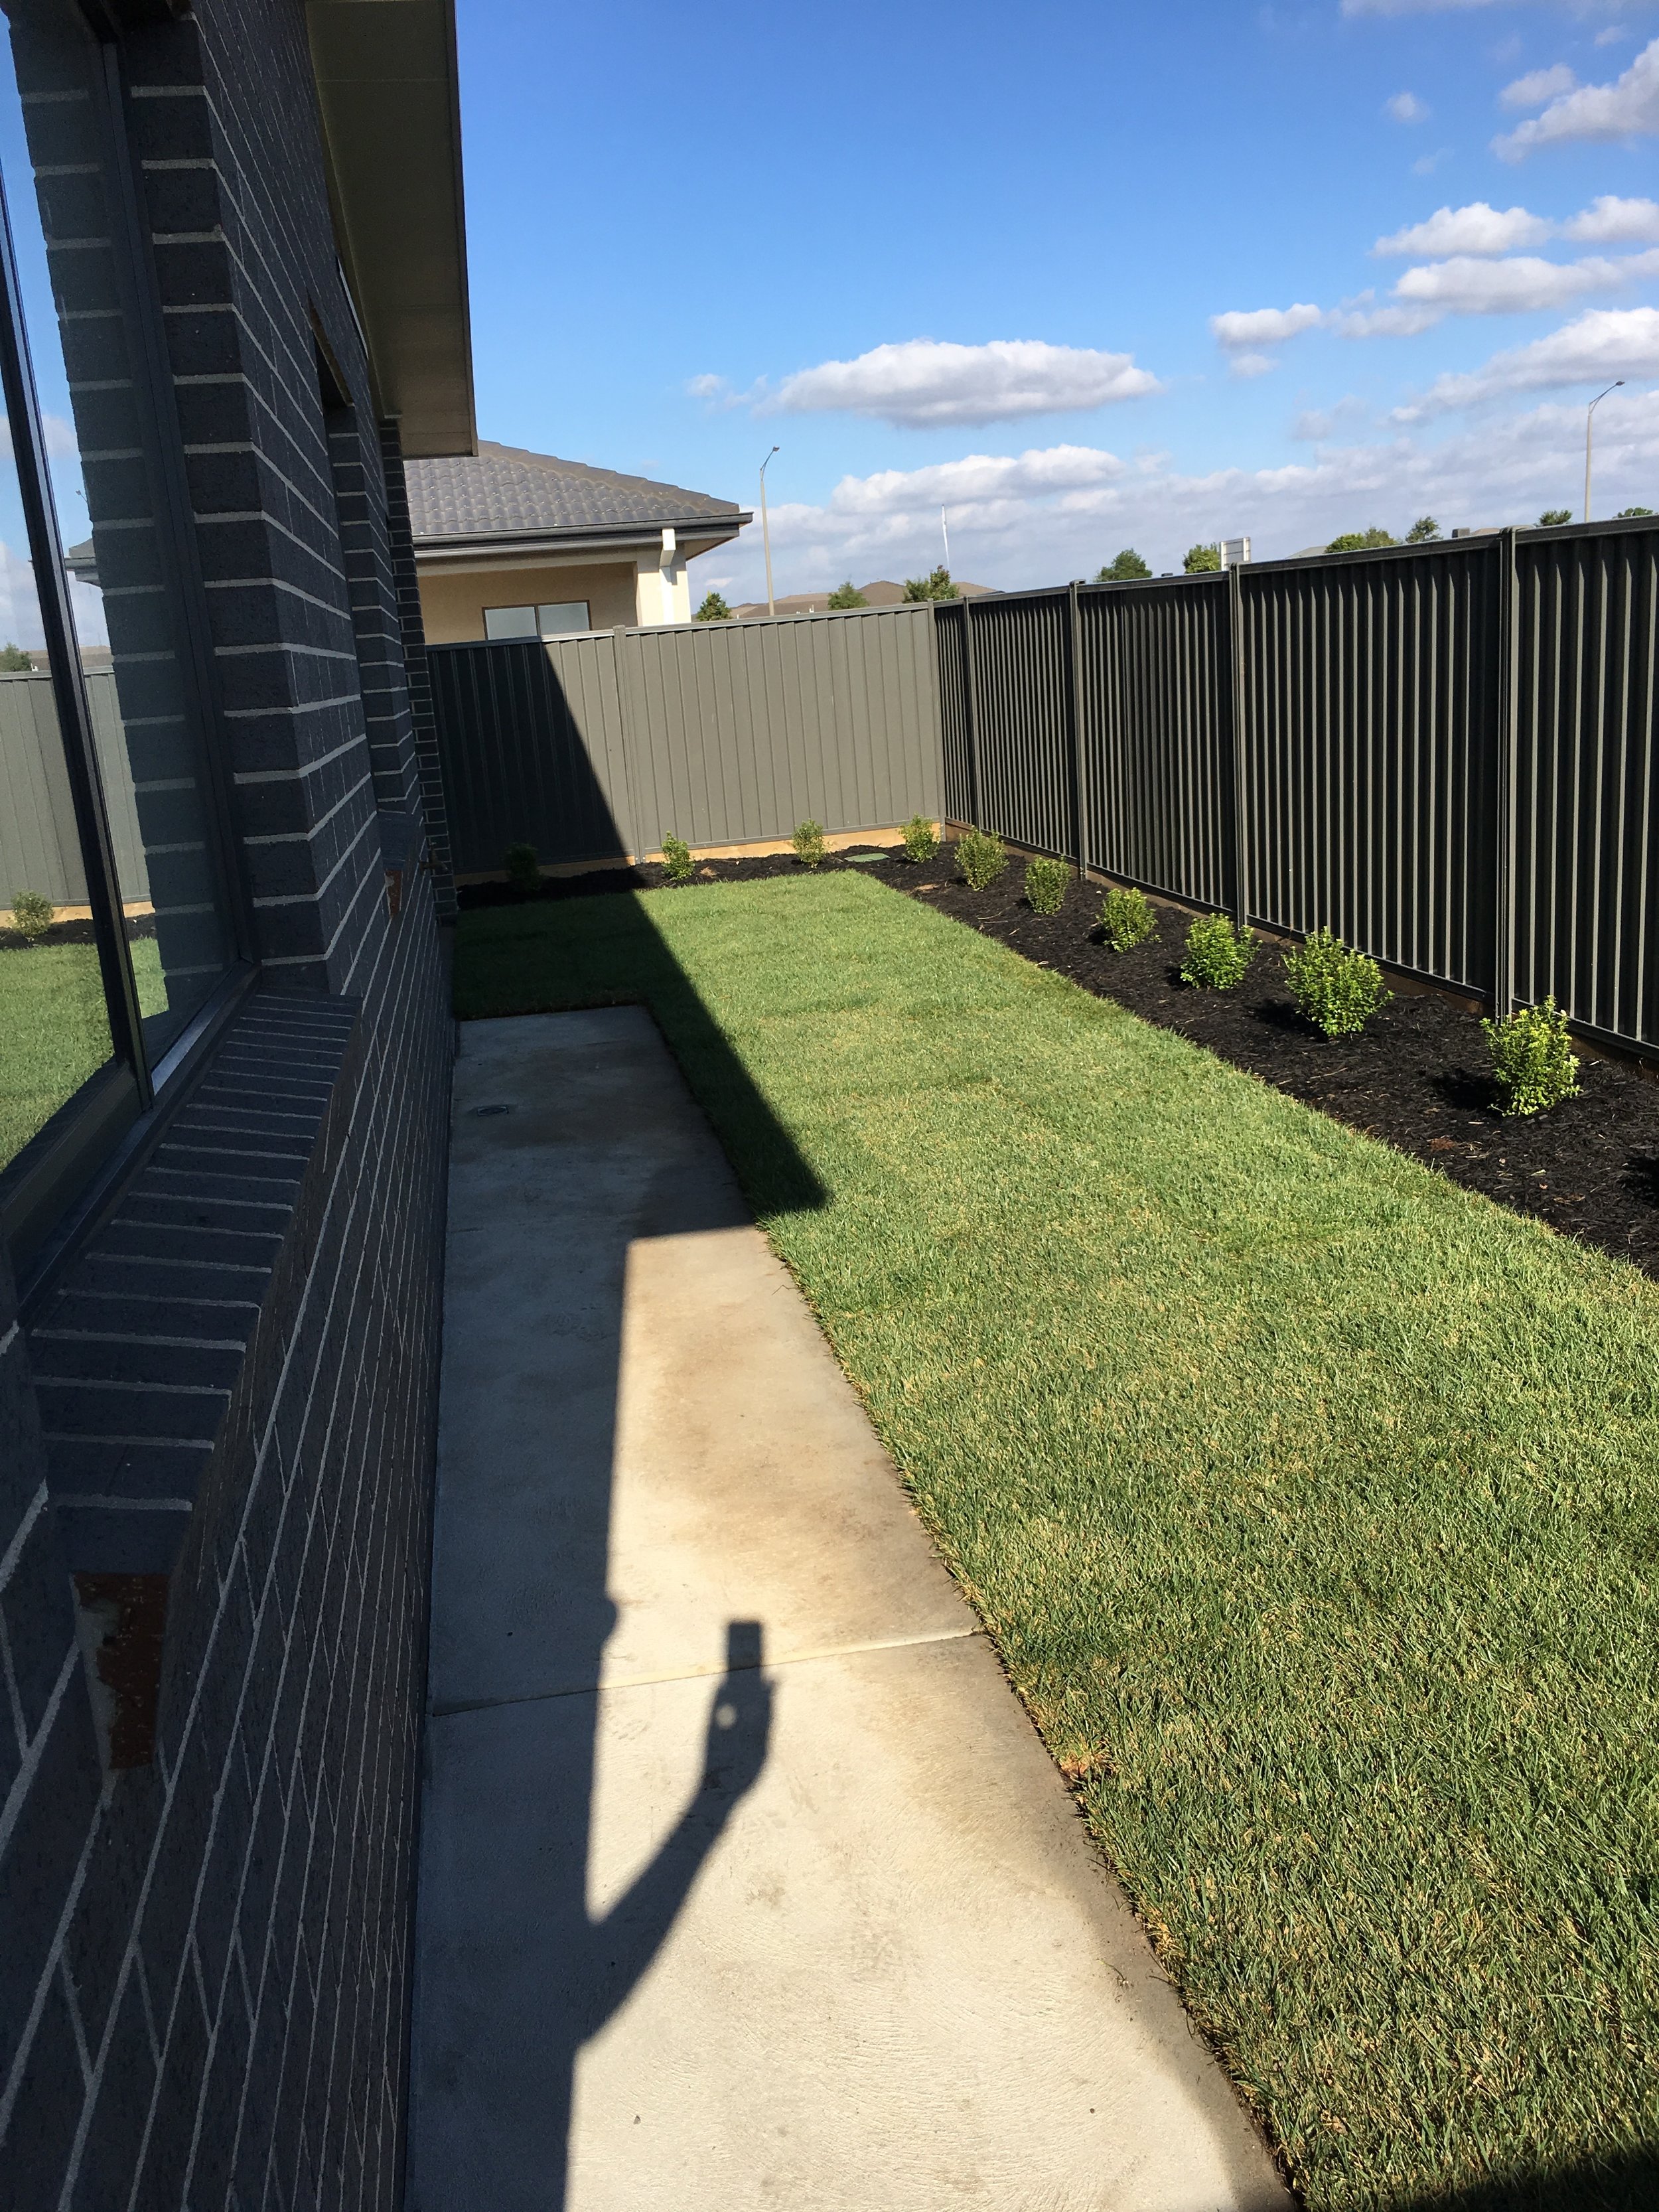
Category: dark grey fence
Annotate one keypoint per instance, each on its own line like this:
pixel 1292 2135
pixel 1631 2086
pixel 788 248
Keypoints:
pixel 39 845
pixel 1446 753
pixel 723 733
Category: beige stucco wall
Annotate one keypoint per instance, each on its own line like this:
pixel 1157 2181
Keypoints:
pixel 452 600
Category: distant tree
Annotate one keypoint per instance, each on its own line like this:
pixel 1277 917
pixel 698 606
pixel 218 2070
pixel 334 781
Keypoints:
pixel 14 660
pixel 1123 568
pixel 1630 514
pixel 713 609
pixel 848 595
pixel 1202 559
pixel 1554 517
pixel 936 587
pixel 1423 531
pixel 1360 541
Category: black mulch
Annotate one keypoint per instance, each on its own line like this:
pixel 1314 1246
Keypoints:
pixel 1416 1077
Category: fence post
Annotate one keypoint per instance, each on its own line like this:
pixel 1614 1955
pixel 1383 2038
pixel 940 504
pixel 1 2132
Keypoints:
pixel 1074 701
pixel 971 706
pixel 639 837
pixel 1238 858
pixel 1508 731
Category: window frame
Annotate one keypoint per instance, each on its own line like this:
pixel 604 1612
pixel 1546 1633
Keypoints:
pixel 70 1173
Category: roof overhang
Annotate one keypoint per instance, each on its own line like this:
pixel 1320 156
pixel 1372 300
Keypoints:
pixel 388 87
pixel 693 534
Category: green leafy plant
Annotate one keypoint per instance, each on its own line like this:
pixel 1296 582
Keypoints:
pixel 920 838
pixel 1127 920
pixel 1360 541
pixel 808 841
pixel 524 867
pixel 1202 559
pixel 1124 567
pixel 1632 513
pixel 935 586
pixel 1217 955
pixel 1554 517
pixel 1423 531
pixel 1532 1058
pixel 981 859
pixel 713 609
pixel 1335 988
pixel 13 661
pixel 848 595
pixel 1046 883
pixel 33 915
pixel 677 866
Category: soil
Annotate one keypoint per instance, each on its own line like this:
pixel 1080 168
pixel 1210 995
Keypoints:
pixel 1416 1077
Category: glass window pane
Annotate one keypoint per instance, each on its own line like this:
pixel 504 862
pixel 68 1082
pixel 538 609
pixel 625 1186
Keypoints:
pixel 509 622
pixel 54 1031
pixel 564 615
pixel 81 308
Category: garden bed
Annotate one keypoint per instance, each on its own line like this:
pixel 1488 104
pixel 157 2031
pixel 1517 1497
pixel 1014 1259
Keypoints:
pixel 1417 1078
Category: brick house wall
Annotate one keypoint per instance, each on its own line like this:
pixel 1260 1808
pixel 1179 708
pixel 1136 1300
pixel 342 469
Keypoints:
pixel 219 1424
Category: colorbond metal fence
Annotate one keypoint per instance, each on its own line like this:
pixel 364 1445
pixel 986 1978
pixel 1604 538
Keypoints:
pixel 595 747
pixel 39 845
pixel 1445 752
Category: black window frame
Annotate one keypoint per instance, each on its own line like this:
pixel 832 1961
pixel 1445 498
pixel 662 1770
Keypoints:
pixel 70 1173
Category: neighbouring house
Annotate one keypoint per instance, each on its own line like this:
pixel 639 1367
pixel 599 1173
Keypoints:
pixel 884 592
pixel 510 543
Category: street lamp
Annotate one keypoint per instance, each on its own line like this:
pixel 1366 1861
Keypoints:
pixel 1590 421
pixel 766 533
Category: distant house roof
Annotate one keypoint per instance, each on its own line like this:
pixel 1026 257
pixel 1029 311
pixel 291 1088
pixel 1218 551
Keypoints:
pixel 503 495
pixel 884 592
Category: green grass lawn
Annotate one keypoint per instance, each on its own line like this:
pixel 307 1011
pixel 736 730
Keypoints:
pixel 54 1032
pixel 1313 1504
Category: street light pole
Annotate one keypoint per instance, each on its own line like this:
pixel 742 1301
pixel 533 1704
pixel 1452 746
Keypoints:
pixel 946 533
pixel 766 533
pixel 1590 421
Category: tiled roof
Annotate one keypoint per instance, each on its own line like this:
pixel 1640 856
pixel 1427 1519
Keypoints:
pixel 502 488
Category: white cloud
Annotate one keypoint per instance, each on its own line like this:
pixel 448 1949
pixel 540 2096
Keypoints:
pixel 1260 326
pixel 1538 86
pixel 1601 344
pixel 1612 222
pixel 1386 322
pixel 1476 228
pixel 1522 285
pixel 1251 364
pixel 707 387
pixel 1406 108
pixel 1628 108
pixel 924 384
pixel 1039 519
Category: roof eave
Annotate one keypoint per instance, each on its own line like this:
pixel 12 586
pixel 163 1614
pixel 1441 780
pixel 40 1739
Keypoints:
pixel 613 538
pixel 388 90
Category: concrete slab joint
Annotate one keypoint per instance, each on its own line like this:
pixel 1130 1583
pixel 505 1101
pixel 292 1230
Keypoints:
pixel 744 1880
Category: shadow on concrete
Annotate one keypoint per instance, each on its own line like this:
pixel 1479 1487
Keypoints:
pixel 516 1973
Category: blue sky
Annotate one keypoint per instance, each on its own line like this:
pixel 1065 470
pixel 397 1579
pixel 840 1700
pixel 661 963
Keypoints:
pixel 1087 276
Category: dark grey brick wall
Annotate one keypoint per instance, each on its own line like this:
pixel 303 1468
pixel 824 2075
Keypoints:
pixel 203 1958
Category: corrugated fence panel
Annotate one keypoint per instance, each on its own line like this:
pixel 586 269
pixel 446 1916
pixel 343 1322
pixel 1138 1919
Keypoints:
pixel 1370 705
pixel 39 846
pixel 957 801
pixel 529 738
pixel 1021 658
pixel 1155 678
pixel 1587 875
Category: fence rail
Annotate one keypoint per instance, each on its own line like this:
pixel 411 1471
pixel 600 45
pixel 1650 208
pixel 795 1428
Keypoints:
pixel 596 747
pixel 1445 752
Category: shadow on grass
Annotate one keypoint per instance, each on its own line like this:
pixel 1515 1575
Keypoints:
pixel 1624 2181
pixel 555 957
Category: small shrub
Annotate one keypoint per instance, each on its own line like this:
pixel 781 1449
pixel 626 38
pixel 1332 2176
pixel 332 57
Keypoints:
pixel 808 841
pixel 1127 920
pixel 14 660
pixel 1217 954
pixel 981 859
pixel 1045 885
pixel 1532 1058
pixel 677 866
pixel 524 867
pixel 1337 989
pixel 33 915
pixel 920 838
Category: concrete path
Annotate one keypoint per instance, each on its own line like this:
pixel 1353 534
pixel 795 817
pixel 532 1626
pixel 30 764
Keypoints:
pixel 745 1881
